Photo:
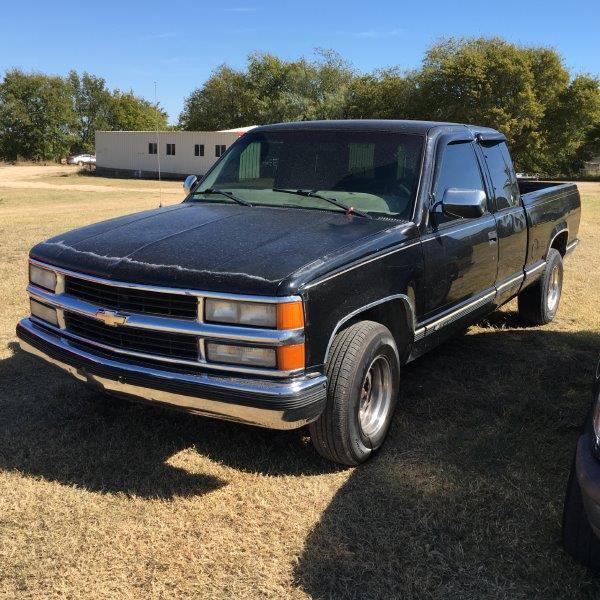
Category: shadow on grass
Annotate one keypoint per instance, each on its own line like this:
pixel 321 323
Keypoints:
pixel 54 427
pixel 465 498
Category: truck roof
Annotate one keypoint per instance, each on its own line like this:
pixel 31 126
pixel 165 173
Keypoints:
pixel 400 126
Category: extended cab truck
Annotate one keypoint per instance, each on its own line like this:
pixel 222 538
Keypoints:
pixel 301 273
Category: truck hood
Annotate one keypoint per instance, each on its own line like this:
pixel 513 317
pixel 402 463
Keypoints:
pixel 213 247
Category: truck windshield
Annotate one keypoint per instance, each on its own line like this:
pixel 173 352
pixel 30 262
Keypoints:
pixel 374 172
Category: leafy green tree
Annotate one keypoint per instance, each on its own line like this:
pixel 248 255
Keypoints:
pixel 486 82
pixel 129 112
pixel 223 102
pixel 570 127
pixel 46 117
pixel 385 94
pixel 552 120
pixel 36 116
pixel 270 90
pixel 93 106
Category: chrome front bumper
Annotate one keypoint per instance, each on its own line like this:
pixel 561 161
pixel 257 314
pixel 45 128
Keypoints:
pixel 275 404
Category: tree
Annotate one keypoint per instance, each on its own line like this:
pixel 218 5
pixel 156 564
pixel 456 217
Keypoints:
pixel 551 119
pixel 270 90
pixel 385 94
pixel 571 126
pixel 46 117
pixel 486 82
pixel 36 116
pixel 93 106
pixel 128 112
pixel 223 102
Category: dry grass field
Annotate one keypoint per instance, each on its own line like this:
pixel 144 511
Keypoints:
pixel 114 500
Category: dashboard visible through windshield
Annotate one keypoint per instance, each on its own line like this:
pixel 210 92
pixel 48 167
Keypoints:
pixel 372 171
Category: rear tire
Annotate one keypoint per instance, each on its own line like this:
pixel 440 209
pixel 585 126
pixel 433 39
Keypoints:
pixel 363 379
pixel 539 302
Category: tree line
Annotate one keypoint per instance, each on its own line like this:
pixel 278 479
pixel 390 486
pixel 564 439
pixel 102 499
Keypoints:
pixel 47 117
pixel 550 117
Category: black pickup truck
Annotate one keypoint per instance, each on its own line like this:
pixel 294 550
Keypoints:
pixel 298 276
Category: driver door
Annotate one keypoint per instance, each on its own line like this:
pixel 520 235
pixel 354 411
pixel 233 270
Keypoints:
pixel 460 254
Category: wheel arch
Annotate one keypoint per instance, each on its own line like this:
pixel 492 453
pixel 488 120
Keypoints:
pixel 559 240
pixel 396 312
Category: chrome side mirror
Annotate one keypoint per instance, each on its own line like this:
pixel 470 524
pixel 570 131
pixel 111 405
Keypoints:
pixel 467 204
pixel 189 183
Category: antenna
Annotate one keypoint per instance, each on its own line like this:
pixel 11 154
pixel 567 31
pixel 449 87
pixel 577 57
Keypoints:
pixel 160 203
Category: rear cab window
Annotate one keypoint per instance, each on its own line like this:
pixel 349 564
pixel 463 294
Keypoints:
pixel 504 183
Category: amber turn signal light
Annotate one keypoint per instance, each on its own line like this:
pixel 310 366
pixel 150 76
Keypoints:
pixel 290 315
pixel 290 358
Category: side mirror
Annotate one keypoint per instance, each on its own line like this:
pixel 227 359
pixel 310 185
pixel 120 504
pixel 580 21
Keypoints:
pixel 467 204
pixel 189 183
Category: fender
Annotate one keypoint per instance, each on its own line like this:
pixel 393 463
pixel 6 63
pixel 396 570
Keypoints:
pixel 408 303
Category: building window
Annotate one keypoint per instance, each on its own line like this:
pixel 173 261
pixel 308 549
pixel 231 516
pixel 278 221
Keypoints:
pixel 152 148
pixel 170 149
pixel 220 149
pixel 199 150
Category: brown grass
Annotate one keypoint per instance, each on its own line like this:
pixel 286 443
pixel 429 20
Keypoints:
pixel 105 500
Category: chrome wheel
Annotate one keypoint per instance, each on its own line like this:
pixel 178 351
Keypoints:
pixel 553 289
pixel 375 397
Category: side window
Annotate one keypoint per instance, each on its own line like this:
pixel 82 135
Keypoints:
pixel 152 147
pixel 198 149
pixel 459 169
pixel 514 184
pixel 501 175
pixel 170 149
pixel 220 149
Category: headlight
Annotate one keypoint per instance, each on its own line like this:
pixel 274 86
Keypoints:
pixel 43 312
pixel 241 313
pixel 284 315
pixel 241 355
pixel 41 277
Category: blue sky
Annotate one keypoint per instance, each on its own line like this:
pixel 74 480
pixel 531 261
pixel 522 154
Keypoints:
pixel 178 44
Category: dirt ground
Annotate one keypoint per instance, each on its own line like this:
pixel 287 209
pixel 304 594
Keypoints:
pixel 104 499
pixel 59 177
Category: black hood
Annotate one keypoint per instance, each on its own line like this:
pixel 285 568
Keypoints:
pixel 212 247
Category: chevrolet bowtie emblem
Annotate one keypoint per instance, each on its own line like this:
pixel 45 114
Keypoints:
pixel 110 318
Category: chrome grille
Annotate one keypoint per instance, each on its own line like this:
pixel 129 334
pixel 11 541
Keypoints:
pixel 160 324
pixel 159 343
pixel 132 300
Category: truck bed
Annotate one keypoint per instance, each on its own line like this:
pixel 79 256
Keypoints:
pixel 552 209
pixel 527 186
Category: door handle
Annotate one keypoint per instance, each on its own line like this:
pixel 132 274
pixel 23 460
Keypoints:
pixel 493 237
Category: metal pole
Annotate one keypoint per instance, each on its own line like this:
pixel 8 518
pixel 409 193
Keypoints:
pixel 157 146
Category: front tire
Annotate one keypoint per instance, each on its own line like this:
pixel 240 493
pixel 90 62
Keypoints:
pixel 363 379
pixel 539 302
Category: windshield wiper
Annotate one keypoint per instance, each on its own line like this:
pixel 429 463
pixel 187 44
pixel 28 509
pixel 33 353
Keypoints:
pixel 350 210
pixel 235 198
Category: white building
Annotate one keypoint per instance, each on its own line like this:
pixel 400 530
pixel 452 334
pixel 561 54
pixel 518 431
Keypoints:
pixel 181 153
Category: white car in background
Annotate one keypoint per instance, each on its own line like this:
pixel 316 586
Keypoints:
pixel 528 176
pixel 82 159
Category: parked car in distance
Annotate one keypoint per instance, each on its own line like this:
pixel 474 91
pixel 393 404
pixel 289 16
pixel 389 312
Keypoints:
pixel 528 176
pixel 581 515
pixel 81 159
pixel 307 267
